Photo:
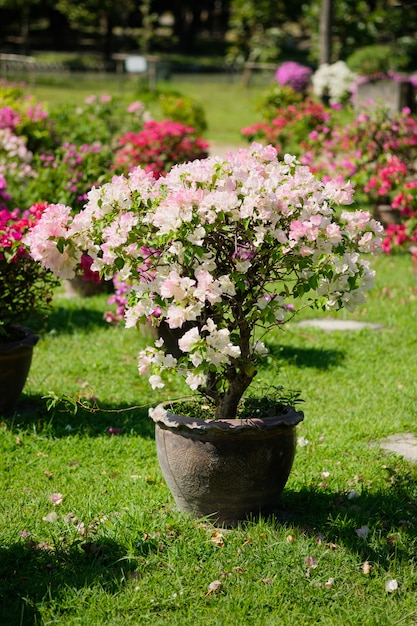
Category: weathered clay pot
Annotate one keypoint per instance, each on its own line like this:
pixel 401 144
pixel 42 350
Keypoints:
pixel 15 362
pixel 228 470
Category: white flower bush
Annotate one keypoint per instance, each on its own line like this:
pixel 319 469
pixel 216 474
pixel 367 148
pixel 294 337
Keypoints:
pixel 334 80
pixel 222 249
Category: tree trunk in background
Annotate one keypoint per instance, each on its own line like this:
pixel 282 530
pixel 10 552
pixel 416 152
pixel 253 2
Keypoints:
pixel 325 31
pixel 24 30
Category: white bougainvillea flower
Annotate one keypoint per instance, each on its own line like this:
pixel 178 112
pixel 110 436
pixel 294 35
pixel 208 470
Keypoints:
pixel 391 585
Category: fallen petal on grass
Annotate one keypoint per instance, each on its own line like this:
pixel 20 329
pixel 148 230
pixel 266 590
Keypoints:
pixel 391 585
pixel 311 562
pixel 214 587
pixel 56 498
pixel 362 532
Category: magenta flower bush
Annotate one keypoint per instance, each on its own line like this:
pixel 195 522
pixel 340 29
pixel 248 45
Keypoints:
pixel 402 237
pixel 26 286
pixel 372 145
pixel 158 147
pixel 378 153
pixel 220 250
pixel 291 125
pixel 294 75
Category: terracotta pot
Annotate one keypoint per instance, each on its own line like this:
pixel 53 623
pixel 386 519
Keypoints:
pixel 15 362
pixel 228 470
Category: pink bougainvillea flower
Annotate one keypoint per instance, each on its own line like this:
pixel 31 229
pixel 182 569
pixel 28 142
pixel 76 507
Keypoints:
pixel 56 498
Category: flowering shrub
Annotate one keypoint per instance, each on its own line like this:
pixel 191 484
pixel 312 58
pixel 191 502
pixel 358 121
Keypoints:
pixel 24 116
pixel 290 126
pixel 403 236
pixel 101 118
pixel 275 98
pixel 15 167
pixel 386 181
pixel 26 286
pixel 69 172
pixel 334 81
pixel 158 147
pixel 294 75
pixel 371 147
pixel 218 249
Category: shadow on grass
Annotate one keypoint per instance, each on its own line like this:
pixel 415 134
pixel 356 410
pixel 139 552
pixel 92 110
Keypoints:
pixel 71 318
pixel 65 419
pixel 32 574
pixel 385 521
pixel 319 358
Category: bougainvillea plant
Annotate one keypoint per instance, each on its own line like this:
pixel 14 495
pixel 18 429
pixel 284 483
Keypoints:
pixel 220 250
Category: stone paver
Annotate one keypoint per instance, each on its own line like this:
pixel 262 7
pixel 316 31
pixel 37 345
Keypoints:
pixel 334 324
pixel 404 444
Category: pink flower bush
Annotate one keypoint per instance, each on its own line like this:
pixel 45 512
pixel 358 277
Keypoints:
pixel 372 145
pixel 158 147
pixel 290 126
pixel 27 287
pixel 217 249
pixel 402 237
pixel 24 116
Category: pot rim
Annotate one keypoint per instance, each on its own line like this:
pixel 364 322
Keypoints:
pixel 27 341
pixel 180 422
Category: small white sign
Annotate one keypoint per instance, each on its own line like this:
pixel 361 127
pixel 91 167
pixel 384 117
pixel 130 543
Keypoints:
pixel 136 64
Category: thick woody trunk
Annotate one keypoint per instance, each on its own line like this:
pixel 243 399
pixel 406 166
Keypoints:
pixel 325 31
pixel 227 402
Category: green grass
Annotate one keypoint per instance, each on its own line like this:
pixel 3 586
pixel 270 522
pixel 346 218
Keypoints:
pixel 117 552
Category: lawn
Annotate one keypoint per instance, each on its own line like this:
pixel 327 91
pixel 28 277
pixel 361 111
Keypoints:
pixel 89 533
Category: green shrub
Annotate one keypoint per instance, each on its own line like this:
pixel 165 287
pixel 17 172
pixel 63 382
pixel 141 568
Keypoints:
pixel 277 97
pixel 185 110
pixel 376 59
